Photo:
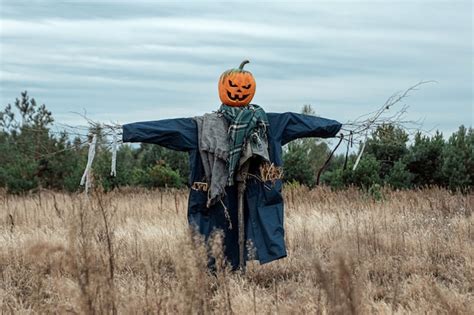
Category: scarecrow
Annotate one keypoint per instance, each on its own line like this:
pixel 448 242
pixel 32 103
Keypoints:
pixel 235 156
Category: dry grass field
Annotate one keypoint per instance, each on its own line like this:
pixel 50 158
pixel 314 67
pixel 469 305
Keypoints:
pixel 130 252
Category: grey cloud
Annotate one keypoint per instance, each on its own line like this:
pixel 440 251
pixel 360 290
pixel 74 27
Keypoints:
pixel 140 59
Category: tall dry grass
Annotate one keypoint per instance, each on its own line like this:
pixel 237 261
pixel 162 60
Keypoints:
pixel 130 252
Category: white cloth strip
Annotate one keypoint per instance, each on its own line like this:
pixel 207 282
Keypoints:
pixel 361 151
pixel 113 169
pixel 86 177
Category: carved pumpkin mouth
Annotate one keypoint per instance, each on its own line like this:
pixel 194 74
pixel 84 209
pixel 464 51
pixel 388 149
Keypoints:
pixel 236 97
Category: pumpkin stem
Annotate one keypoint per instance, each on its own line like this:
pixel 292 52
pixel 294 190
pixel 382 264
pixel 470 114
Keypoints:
pixel 241 67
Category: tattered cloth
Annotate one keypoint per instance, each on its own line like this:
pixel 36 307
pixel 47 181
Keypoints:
pixel 248 123
pixel 214 150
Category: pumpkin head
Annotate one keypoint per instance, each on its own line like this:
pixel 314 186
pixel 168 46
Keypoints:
pixel 237 86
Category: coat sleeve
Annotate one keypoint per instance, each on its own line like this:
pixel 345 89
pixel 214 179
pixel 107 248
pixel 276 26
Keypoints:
pixel 290 126
pixel 177 134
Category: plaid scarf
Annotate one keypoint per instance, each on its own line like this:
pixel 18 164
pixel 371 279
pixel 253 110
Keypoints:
pixel 243 121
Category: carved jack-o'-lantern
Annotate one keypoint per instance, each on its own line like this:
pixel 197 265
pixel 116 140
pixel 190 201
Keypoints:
pixel 237 86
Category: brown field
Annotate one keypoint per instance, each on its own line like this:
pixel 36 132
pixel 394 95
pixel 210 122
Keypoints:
pixel 130 252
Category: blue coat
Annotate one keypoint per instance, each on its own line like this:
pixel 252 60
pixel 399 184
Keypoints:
pixel 264 203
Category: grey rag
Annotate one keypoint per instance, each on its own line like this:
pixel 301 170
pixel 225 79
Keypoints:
pixel 214 150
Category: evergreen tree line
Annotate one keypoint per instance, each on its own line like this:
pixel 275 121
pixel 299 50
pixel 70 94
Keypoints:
pixel 32 157
pixel 390 160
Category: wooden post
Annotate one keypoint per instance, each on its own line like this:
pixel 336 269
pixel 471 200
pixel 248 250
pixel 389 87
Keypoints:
pixel 241 185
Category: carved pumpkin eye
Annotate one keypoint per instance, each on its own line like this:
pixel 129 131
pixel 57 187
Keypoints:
pixel 232 84
pixel 247 86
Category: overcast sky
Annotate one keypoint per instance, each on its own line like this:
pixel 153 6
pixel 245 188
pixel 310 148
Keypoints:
pixel 144 60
